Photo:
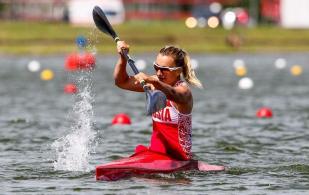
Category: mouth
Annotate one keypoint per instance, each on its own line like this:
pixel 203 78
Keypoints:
pixel 161 78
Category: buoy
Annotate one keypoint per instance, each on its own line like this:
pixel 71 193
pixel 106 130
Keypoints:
pixel 47 75
pixel 76 61
pixel 87 61
pixel 296 70
pixel 280 63
pixel 121 119
pixel 264 112
pixel 70 88
pixel 71 63
pixel 34 66
pixel 241 71
pixel 81 41
pixel 140 64
pixel 245 83
pixel 238 63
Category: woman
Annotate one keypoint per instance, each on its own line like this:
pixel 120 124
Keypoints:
pixel 172 125
pixel 170 145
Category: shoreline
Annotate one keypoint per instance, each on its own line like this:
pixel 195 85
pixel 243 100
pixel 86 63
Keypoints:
pixel 29 38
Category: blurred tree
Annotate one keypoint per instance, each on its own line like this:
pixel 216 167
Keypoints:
pixel 2 6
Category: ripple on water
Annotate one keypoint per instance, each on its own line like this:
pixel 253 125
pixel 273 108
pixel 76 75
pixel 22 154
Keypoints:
pixel 294 168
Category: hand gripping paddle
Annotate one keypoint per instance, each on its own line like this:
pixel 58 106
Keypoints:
pixel 156 99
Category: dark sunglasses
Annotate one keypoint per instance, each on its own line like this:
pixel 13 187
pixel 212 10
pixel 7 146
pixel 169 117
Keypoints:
pixel 164 68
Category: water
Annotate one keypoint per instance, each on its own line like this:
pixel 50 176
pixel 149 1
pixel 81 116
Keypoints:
pixel 263 156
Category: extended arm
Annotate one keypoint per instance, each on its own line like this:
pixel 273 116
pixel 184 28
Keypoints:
pixel 122 79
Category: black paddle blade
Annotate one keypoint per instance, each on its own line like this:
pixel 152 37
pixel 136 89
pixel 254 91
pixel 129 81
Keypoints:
pixel 102 22
pixel 156 100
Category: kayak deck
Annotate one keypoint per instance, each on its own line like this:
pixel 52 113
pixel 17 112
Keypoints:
pixel 148 162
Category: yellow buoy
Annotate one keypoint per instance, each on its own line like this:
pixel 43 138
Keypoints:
pixel 240 71
pixel 296 70
pixel 47 75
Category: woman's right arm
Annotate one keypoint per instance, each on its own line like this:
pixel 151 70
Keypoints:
pixel 122 79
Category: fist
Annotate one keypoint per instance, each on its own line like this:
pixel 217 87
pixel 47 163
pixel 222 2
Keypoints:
pixel 121 46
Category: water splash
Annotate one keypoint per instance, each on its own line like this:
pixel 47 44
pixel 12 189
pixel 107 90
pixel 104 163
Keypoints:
pixel 93 40
pixel 73 150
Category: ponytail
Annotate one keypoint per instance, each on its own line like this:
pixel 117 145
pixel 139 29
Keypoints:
pixel 182 59
pixel 189 74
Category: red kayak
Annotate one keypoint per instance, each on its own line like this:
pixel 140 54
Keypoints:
pixel 148 162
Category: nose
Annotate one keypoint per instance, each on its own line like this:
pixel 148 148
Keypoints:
pixel 159 72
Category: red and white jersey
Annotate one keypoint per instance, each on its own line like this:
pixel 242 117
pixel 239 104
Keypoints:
pixel 172 132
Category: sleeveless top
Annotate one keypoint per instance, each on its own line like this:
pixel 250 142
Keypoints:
pixel 172 132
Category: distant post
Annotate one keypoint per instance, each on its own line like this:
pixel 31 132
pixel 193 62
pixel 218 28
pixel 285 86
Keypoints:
pixel 254 11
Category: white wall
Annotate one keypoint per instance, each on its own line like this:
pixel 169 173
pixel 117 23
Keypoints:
pixel 294 13
pixel 80 11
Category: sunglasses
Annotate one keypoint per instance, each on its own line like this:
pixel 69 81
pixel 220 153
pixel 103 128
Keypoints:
pixel 164 68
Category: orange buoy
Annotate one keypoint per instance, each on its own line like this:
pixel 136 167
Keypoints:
pixel 76 61
pixel 264 112
pixel 121 119
pixel 70 88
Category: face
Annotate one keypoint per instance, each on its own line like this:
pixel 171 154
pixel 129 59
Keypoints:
pixel 168 76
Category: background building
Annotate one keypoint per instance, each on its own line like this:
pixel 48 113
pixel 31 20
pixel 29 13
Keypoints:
pixel 287 13
pixel 51 10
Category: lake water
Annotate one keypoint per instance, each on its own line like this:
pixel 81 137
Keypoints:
pixel 50 142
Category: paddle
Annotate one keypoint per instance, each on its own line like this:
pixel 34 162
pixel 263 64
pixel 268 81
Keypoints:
pixel 155 99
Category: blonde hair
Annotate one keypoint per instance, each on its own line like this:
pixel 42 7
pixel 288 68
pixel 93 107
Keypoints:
pixel 182 59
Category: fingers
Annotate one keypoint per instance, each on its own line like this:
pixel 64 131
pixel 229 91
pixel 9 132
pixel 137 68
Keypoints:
pixel 154 78
pixel 121 45
pixel 145 80
pixel 141 77
pixel 150 86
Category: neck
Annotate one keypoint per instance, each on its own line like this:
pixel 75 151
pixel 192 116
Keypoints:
pixel 175 83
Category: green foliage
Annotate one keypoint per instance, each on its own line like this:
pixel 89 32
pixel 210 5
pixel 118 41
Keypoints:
pixel 148 36
pixel 2 6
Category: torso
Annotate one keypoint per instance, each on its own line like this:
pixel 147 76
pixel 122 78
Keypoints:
pixel 172 132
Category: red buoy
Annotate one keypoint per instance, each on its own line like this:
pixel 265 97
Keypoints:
pixel 87 61
pixel 76 61
pixel 70 88
pixel 121 119
pixel 264 112
pixel 71 62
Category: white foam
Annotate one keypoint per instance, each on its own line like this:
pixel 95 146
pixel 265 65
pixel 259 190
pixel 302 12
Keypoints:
pixel 73 150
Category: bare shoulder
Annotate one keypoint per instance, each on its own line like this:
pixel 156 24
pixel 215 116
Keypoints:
pixel 184 93
pixel 185 99
pixel 183 87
